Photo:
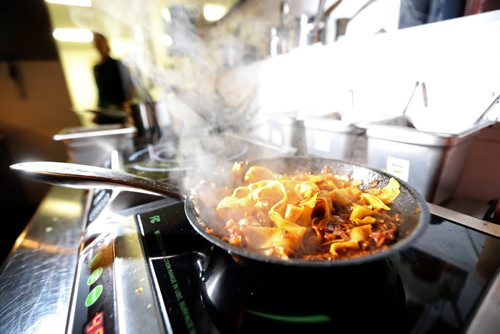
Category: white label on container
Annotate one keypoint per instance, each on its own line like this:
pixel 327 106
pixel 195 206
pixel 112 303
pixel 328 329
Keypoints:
pixel 322 142
pixel 276 137
pixel 398 167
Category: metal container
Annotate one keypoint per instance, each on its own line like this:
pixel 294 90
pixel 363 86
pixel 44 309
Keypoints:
pixel 93 145
pixel 481 179
pixel 334 139
pixel 431 162
pixel 145 119
pixel 281 129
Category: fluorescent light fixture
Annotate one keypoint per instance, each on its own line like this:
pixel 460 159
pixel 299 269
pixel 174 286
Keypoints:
pixel 214 12
pixel 79 3
pixel 166 40
pixel 73 35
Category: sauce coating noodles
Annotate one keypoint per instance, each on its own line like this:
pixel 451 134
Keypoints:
pixel 320 216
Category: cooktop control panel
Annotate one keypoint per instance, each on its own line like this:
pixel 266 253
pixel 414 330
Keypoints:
pixel 93 308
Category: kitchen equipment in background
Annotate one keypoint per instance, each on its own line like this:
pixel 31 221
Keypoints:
pixel 489 112
pixel 432 162
pixel 145 120
pixel 331 137
pixel 303 30
pixel 334 134
pixel 282 129
pixel 109 116
pixel 279 41
pixel 93 145
pixel 481 177
pixel 441 116
pixel 341 23
pixel 410 100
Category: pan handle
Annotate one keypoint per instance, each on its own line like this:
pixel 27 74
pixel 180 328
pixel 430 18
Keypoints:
pixel 90 177
pixel 465 220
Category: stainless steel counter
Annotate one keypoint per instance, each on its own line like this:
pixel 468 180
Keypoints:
pixel 36 278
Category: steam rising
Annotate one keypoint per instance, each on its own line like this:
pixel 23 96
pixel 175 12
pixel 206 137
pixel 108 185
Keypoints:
pixel 186 75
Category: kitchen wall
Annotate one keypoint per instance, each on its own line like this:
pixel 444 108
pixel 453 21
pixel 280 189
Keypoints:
pixel 33 107
pixel 457 59
pixel 77 61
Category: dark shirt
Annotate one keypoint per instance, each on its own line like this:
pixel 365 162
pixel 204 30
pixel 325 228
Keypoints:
pixel 113 83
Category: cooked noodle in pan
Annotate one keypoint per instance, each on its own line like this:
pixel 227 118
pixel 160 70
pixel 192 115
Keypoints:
pixel 320 216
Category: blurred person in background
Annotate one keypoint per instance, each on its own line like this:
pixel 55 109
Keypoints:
pixel 114 85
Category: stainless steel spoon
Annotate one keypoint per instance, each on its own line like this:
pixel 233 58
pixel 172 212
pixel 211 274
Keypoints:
pixel 90 177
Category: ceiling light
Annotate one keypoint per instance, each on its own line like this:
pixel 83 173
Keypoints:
pixel 80 3
pixel 214 12
pixel 166 40
pixel 73 35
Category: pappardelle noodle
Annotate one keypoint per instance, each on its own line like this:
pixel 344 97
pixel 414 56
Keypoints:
pixel 320 216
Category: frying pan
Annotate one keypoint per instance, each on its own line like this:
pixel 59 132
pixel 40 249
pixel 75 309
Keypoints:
pixel 410 205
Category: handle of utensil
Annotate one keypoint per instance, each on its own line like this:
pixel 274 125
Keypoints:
pixel 88 177
pixel 492 104
pixel 465 220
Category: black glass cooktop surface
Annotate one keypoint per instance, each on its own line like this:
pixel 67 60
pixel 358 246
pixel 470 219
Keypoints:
pixel 434 286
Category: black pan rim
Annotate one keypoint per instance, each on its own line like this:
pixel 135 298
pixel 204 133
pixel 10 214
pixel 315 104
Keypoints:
pixel 423 221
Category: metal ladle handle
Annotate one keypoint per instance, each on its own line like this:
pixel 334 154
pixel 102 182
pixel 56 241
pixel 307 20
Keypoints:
pixel 492 104
pixel 91 177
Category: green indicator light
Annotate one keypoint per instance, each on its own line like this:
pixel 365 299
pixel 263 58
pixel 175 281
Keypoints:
pixel 154 219
pixel 93 295
pixel 94 276
pixel 95 260
pixel 314 318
